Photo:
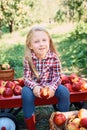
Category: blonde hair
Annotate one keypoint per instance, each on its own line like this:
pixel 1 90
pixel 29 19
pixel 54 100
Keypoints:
pixel 28 50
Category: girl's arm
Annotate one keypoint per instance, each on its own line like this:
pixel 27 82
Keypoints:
pixel 56 75
pixel 28 81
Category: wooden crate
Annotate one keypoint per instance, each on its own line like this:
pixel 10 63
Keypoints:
pixel 7 75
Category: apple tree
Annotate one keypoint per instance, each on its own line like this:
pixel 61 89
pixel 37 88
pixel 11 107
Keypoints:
pixel 14 12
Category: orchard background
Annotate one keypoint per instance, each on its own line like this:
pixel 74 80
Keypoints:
pixel 66 21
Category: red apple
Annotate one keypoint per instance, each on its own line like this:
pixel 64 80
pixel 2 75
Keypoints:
pixel 16 82
pixel 73 78
pixel 8 92
pixel 44 92
pixel 76 86
pixel 69 86
pixel 5 66
pixel 3 128
pixel 21 81
pixel 59 119
pixel 83 122
pixel 2 89
pixel 10 84
pixel 2 83
pixel 17 90
pixel 64 79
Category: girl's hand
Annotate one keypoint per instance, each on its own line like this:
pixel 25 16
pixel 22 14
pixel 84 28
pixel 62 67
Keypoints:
pixel 51 92
pixel 36 91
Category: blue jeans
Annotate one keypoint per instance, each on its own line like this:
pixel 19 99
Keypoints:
pixel 28 100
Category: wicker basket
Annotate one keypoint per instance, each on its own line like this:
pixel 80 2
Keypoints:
pixel 7 74
pixel 53 126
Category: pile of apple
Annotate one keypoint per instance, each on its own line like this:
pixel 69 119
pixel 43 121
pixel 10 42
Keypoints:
pixel 79 121
pixel 73 82
pixel 10 88
pixel 73 122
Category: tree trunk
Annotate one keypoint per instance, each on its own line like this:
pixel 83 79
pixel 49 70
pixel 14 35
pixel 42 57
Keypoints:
pixel 11 26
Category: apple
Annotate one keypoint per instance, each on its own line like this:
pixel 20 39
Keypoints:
pixel 17 90
pixel 21 81
pixel 73 77
pixel 76 121
pixel 2 82
pixel 8 92
pixel 10 84
pixel 44 93
pixel 84 85
pixel 69 86
pixel 76 86
pixel 3 128
pixel 82 113
pixel 82 128
pixel 72 126
pixel 16 82
pixel 59 119
pixel 5 66
pixel 2 89
pixel 83 122
pixel 64 79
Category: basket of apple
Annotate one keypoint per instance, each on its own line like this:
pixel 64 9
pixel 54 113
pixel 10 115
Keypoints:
pixel 11 88
pixel 73 120
pixel 74 83
pixel 6 72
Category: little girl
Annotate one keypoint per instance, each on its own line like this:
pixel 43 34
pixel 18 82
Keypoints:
pixel 41 69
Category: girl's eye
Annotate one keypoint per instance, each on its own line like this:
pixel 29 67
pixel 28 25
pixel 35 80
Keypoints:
pixel 44 39
pixel 36 41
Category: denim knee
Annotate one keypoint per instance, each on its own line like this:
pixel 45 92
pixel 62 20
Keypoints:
pixel 62 91
pixel 63 95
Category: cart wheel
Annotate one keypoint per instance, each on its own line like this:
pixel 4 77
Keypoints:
pixel 8 122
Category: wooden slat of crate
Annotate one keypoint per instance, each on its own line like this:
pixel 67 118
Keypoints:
pixel 7 74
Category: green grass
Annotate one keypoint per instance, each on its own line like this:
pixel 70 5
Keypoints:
pixel 73 54
pixel 13 54
pixel 72 48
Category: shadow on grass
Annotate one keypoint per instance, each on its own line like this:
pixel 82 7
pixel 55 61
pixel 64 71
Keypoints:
pixel 73 52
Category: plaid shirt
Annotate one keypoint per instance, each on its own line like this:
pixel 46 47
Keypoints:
pixel 49 71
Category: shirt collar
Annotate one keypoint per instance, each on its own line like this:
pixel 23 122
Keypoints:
pixel 47 55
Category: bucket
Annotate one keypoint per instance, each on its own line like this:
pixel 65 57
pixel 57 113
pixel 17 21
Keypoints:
pixel 7 75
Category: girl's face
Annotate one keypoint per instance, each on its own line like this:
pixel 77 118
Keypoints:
pixel 40 43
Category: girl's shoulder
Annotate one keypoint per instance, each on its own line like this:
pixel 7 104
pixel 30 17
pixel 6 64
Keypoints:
pixel 52 55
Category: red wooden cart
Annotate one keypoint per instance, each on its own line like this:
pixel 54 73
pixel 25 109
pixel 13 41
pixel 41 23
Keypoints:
pixel 16 102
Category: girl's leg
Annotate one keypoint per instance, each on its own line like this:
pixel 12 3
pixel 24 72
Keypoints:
pixel 28 102
pixel 28 107
pixel 63 98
